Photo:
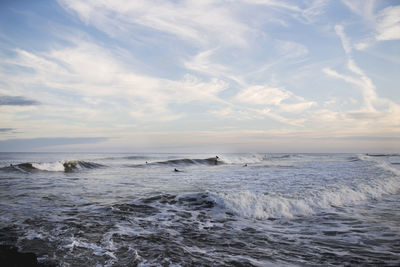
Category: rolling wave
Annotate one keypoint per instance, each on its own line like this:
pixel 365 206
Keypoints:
pixel 58 166
pixel 180 162
pixel 255 205
pixel 208 161
pixel 263 206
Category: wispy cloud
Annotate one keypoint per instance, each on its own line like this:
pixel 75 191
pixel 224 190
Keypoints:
pixel 376 109
pixel 363 8
pixel 196 21
pixel 384 25
pixel 388 24
pixel 343 38
pixel 90 72
pixel 262 95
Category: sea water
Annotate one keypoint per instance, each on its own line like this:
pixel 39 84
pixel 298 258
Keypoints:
pixel 202 210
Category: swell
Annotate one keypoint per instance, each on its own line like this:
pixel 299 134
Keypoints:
pixel 179 162
pixel 383 155
pixel 127 157
pixel 58 166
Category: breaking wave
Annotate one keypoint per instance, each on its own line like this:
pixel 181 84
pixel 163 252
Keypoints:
pixel 264 206
pixel 58 166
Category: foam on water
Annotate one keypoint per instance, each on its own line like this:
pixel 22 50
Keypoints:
pixel 49 166
pixel 57 166
pixel 267 206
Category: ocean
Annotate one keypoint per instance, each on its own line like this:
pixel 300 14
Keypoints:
pixel 84 209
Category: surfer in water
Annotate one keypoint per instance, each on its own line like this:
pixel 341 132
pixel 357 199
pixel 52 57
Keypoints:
pixel 176 170
pixel 216 160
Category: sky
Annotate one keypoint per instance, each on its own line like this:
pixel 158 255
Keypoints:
pixel 200 76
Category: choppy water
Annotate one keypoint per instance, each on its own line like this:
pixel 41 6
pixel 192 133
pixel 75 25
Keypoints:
pixel 280 209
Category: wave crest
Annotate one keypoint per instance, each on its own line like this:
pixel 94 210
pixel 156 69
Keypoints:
pixel 263 206
pixel 180 162
pixel 58 166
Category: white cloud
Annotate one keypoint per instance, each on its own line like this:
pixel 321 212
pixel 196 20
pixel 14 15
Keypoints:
pixel 262 95
pixel 202 62
pixel 375 113
pixel 385 24
pixel 203 23
pixel 388 27
pixel 345 41
pixel 197 21
pixel 296 107
pixel 90 72
pixel 375 110
pixel 270 102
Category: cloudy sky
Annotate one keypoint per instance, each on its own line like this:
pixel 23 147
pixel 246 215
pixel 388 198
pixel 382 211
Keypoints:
pixel 200 76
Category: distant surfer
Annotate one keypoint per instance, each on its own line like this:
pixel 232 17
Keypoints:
pixel 147 162
pixel 245 165
pixel 176 170
pixel 216 160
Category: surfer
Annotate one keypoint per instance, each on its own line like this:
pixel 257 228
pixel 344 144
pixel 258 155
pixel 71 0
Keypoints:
pixel 216 160
pixel 245 165
pixel 176 170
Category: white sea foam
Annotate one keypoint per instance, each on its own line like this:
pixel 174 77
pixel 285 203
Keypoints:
pixel 255 205
pixel 97 250
pixel 61 166
pixel 50 166
pixel 263 206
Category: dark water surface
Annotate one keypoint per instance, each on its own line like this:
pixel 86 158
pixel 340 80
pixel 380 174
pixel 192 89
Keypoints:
pixel 279 209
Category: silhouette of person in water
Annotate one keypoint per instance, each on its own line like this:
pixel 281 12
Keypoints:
pixel 176 170
pixel 216 160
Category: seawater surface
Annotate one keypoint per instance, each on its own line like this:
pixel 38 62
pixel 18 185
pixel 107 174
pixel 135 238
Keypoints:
pixel 237 210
